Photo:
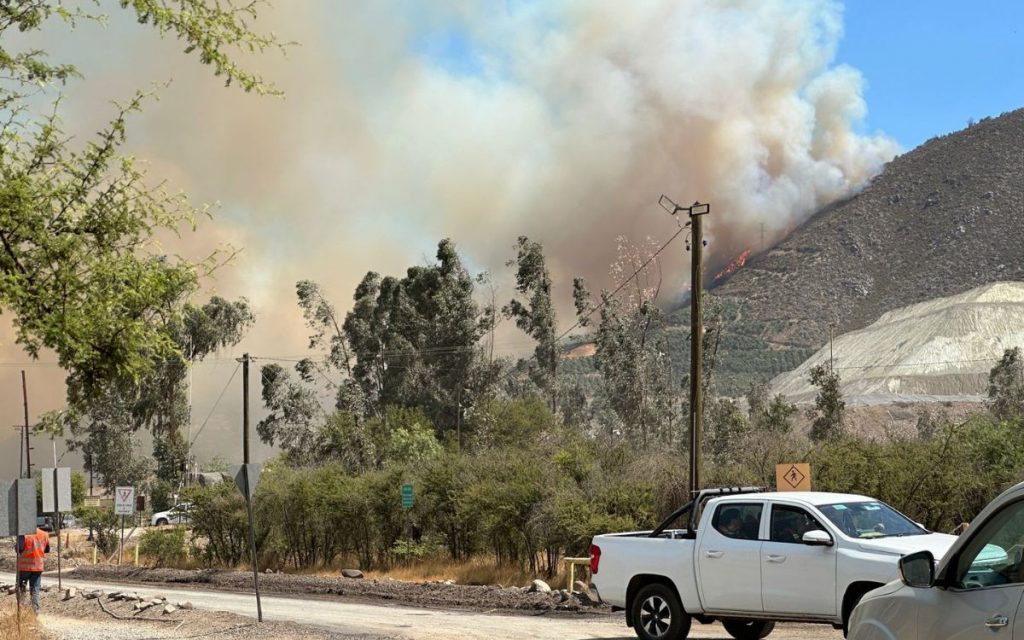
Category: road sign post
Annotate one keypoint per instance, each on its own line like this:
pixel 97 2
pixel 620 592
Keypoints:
pixel 56 500
pixel 17 517
pixel 407 502
pixel 246 476
pixel 124 505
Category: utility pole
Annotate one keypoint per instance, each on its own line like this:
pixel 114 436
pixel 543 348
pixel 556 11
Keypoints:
pixel 696 246
pixel 831 333
pixel 458 416
pixel 24 397
pixel 245 408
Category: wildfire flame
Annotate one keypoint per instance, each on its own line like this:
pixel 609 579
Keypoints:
pixel 733 266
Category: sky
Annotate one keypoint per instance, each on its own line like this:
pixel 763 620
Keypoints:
pixel 404 123
pixel 931 66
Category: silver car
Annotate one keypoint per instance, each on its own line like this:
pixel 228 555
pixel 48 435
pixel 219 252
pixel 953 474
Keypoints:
pixel 974 591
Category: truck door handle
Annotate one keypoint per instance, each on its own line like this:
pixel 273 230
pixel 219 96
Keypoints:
pixel 997 621
pixel 714 554
pixel 776 559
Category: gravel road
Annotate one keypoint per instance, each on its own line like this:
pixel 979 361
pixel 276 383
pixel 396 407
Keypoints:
pixel 352 619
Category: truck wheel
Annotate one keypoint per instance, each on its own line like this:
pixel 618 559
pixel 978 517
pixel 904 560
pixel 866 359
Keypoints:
pixel 658 614
pixel 748 629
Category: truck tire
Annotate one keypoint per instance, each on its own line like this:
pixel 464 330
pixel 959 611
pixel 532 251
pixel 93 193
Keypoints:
pixel 658 614
pixel 748 629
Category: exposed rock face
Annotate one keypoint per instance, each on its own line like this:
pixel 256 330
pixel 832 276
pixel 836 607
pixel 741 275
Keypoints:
pixel 935 350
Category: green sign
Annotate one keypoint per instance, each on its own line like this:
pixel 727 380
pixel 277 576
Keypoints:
pixel 407 496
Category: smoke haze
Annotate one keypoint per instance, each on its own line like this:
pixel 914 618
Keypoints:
pixel 405 123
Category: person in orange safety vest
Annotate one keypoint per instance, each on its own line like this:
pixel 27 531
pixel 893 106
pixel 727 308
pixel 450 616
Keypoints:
pixel 31 562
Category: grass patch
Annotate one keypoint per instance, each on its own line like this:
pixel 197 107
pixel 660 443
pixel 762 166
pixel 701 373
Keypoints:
pixel 9 627
pixel 480 570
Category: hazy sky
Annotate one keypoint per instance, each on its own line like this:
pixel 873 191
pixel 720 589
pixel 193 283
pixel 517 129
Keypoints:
pixel 408 122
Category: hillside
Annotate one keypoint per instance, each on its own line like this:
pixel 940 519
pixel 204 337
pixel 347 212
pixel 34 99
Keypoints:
pixel 942 349
pixel 939 220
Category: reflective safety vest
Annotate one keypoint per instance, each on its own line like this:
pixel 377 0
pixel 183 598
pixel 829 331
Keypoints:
pixel 32 556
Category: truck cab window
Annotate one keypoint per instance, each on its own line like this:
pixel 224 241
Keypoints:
pixel 789 524
pixel 741 521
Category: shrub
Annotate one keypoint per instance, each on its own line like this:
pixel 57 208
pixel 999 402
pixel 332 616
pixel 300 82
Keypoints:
pixel 219 517
pixel 163 547
pixel 106 527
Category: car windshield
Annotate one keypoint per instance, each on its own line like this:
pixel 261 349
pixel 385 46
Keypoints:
pixel 870 520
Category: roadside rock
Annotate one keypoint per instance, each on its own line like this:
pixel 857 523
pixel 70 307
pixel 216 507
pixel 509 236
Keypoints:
pixel 170 608
pixel 352 573
pixel 185 605
pixel 92 595
pixel 539 586
pixel 581 587
pixel 70 593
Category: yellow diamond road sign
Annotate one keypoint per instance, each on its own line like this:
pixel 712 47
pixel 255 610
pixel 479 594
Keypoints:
pixel 794 476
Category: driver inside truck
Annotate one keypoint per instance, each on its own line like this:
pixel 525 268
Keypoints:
pixel 729 524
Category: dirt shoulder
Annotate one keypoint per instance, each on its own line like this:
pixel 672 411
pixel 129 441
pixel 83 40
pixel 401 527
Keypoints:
pixel 421 594
pixel 79 618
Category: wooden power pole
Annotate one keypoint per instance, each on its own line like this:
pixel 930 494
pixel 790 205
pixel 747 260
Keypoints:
pixel 24 398
pixel 696 246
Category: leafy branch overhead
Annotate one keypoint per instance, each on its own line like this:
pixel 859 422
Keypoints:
pixel 81 269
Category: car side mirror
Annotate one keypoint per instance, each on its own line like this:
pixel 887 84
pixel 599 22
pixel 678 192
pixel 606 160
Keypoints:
pixel 918 569
pixel 817 538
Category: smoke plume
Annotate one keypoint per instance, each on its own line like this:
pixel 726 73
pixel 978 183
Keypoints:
pixel 404 123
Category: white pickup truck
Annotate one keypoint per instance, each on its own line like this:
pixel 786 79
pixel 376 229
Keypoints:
pixel 755 558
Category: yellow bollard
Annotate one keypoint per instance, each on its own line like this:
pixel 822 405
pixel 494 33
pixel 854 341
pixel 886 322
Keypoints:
pixel 572 562
pixel 94 554
pixel 136 555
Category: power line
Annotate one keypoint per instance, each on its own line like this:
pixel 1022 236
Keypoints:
pixel 622 284
pixel 214 407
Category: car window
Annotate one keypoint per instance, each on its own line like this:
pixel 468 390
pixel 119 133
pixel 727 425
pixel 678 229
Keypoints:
pixel 789 524
pixel 741 521
pixel 993 557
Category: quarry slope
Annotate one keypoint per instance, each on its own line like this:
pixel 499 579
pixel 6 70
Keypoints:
pixel 936 350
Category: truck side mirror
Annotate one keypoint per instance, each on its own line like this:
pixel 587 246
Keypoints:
pixel 918 569
pixel 817 538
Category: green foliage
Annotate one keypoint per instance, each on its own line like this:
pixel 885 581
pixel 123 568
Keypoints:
pixel 511 423
pixel 1006 386
pixel 940 482
pixel 827 414
pixel 77 488
pixel 536 317
pixel 163 547
pixel 219 518
pixel 774 416
pixel 725 425
pixel 161 495
pixel 105 525
pixel 407 342
pixel 632 358
pixel 81 271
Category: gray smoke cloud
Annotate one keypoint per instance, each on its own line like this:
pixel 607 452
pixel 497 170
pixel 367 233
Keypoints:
pixel 565 121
